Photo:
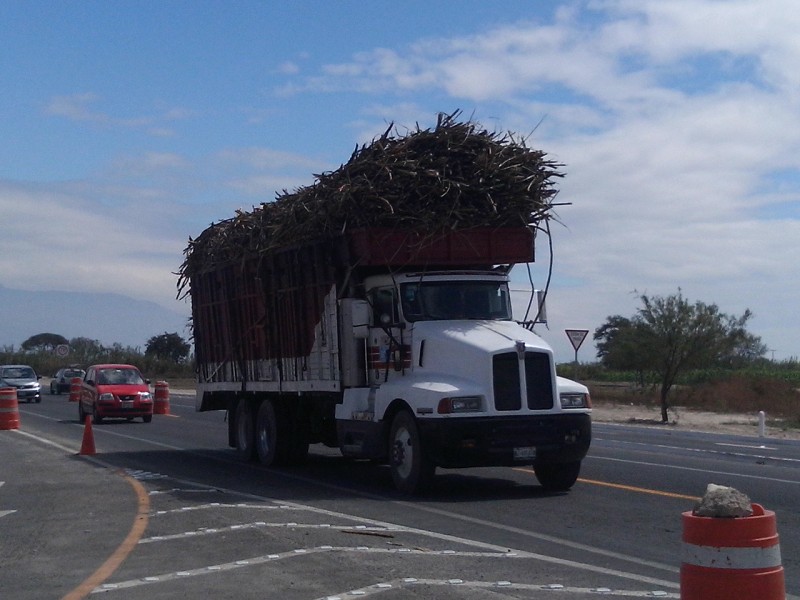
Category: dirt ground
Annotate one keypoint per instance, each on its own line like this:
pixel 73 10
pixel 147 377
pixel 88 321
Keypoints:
pixel 691 420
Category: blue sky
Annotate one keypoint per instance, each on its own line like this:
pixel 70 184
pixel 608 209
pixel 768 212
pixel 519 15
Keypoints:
pixel 129 126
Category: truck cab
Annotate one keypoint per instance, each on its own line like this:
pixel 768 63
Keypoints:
pixel 451 380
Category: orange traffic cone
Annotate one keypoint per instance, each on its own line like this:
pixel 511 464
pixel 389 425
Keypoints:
pixel 87 446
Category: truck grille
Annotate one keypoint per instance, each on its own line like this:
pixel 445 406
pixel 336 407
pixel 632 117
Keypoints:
pixel 507 395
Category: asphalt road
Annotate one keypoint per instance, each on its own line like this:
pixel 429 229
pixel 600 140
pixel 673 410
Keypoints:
pixel 165 510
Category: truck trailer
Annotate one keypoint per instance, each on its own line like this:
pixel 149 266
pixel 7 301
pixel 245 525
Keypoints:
pixel 391 345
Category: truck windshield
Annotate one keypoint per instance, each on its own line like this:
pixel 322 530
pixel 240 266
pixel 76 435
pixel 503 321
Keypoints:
pixel 447 300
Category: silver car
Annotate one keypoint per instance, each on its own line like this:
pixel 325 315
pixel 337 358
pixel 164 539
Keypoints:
pixel 25 379
pixel 62 380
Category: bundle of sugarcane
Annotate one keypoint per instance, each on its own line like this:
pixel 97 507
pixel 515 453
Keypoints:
pixel 456 175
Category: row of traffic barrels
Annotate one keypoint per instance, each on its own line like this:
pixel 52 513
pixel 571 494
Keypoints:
pixel 9 405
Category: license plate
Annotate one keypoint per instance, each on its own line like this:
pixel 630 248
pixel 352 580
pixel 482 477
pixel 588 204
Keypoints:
pixel 524 452
pixel 127 404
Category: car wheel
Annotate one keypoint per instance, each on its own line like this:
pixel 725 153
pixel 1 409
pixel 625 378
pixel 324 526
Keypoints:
pixel 52 389
pixel 147 418
pixel 96 416
pixel 557 477
pixel 412 470
pixel 81 413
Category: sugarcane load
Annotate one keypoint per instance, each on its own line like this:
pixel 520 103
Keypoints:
pixel 370 311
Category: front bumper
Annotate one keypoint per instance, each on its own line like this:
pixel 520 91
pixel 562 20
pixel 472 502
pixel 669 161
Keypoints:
pixel 29 395
pixel 491 442
pixel 121 410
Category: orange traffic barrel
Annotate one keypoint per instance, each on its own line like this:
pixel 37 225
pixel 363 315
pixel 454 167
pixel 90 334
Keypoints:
pixel 161 402
pixel 725 558
pixel 75 389
pixel 9 409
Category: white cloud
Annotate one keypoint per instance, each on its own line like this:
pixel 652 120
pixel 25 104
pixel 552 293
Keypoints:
pixel 671 117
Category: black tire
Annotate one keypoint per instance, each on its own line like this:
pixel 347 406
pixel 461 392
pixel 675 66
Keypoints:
pixel 52 393
pixel 557 477
pixel 147 418
pixel 96 418
pixel 412 471
pixel 81 414
pixel 266 434
pixel 245 436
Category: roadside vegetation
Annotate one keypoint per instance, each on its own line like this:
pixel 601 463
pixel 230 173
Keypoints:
pixel 165 356
pixel 673 352
pixel 773 387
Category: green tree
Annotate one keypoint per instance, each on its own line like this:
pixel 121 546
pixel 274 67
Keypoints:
pixel 168 346
pixel 43 342
pixel 621 346
pixel 669 335
pixel 86 351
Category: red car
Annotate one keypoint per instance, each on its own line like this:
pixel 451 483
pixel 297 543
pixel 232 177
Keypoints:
pixel 116 391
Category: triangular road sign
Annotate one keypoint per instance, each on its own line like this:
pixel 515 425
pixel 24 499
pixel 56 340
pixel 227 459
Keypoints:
pixel 576 337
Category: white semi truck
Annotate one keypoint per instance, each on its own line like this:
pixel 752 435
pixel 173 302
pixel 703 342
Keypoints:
pixel 389 345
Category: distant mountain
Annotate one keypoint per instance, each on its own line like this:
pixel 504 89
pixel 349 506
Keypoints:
pixel 108 318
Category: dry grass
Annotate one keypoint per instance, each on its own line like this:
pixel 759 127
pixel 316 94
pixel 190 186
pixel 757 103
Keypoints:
pixel 736 395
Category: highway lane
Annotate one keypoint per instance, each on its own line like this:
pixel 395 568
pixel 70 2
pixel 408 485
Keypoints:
pixel 618 528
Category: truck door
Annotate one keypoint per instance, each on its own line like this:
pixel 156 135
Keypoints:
pixel 388 353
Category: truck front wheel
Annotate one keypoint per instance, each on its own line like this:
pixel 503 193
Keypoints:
pixel 411 470
pixel 245 438
pixel 557 477
pixel 266 433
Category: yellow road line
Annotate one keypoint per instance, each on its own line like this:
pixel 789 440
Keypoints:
pixel 639 490
pixel 121 553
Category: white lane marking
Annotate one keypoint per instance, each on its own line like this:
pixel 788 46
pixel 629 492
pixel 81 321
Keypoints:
pixel 494 549
pixel 258 560
pixel 747 446
pixel 448 514
pixel 701 450
pixel 531 534
pixel 262 524
pixel 3 513
pixel 408 582
pixel 693 469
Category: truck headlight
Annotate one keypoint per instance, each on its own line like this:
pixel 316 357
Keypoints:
pixel 575 400
pixel 460 404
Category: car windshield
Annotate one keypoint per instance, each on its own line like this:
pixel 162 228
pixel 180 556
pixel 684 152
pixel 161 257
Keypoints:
pixel 119 377
pixel 73 373
pixel 18 373
pixel 443 300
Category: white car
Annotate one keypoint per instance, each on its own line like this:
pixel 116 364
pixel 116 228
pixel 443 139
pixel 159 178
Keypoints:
pixel 24 379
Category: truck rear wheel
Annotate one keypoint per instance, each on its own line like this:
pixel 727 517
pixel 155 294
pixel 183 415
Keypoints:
pixel 411 470
pixel 245 437
pixel 266 433
pixel 557 477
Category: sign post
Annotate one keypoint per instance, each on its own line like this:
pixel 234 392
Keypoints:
pixel 576 337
